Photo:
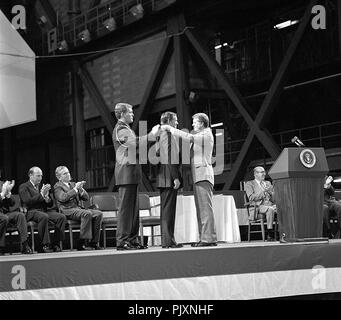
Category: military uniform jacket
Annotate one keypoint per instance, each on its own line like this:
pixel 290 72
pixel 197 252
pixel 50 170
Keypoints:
pixel 126 143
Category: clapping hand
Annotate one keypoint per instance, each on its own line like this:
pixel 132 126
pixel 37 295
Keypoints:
pixel 4 189
pixel 10 185
pixel 45 189
pixel 79 185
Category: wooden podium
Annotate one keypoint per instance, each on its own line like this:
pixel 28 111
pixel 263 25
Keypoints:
pixel 298 177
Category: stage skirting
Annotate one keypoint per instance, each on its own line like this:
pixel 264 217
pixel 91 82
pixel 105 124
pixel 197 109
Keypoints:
pixel 229 271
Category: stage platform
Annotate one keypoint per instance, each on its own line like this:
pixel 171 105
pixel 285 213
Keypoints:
pixel 243 270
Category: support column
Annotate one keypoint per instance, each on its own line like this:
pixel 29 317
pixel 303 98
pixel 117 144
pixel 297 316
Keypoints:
pixel 176 26
pixel 78 126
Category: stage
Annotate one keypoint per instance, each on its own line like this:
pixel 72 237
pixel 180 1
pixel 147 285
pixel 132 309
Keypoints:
pixel 243 270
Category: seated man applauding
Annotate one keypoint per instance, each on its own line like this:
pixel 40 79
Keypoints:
pixel 35 197
pixel 260 193
pixel 68 196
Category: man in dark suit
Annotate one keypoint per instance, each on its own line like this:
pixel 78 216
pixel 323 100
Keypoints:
pixel 127 176
pixel 168 180
pixel 68 196
pixel 15 218
pixel 35 197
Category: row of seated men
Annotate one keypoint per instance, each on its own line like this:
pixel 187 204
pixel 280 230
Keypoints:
pixel 36 198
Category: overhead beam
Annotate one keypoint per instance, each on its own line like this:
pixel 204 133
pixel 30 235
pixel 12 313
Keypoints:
pixel 233 93
pixel 49 10
pixel 97 98
pixel 155 80
pixel 277 85
pixel 272 97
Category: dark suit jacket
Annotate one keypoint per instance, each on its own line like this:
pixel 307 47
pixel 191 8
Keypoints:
pixel 127 167
pixel 168 168
pixel 66 197
pixel 6 203
pixel 32 198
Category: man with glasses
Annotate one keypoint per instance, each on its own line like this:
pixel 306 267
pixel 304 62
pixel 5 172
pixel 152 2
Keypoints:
pixel 68 197
pixel 260 193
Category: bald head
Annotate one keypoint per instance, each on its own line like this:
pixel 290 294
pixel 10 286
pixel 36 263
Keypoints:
pixel 35 174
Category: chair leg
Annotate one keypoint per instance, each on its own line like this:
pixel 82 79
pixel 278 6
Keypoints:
pixel 263 229
pixel 71 237
pixel 141 233
pixel 104 237
pixel 248 232
pixel 152 236
pixel 32 237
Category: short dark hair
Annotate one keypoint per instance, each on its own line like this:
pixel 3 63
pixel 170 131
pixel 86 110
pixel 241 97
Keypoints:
pixel 167 116
pixel 121 108
pixel 202 117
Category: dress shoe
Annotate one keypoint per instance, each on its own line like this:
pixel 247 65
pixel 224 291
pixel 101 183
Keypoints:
pixel 26 249
pixel 56 248
pixel 96 246
pixel 138 246
pixel 46 249
pixel 84 247
pixel 126 246
pixel 204 244
pixel 173 246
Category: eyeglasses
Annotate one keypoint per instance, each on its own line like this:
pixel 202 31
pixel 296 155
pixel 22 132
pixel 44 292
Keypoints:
pixel 260 171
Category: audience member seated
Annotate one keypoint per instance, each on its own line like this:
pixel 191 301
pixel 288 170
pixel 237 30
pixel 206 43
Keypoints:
pixel 260 193
pixel 35 197
pixel 16 218
pixel 331 207
pixel 68 196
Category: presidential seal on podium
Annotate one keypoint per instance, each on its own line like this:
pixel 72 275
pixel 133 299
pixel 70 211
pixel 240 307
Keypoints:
pixel 308 158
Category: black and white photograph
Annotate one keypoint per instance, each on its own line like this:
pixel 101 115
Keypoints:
pixel 170 155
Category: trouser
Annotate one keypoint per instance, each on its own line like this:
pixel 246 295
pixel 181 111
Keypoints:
pixel 203 193
pixel 18 220
pixel 167 214
pixel 269 213
pixel 42 219
pixel 128 215
pixel 90 222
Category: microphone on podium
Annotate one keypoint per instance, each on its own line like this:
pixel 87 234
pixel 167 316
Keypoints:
pixel 297 141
